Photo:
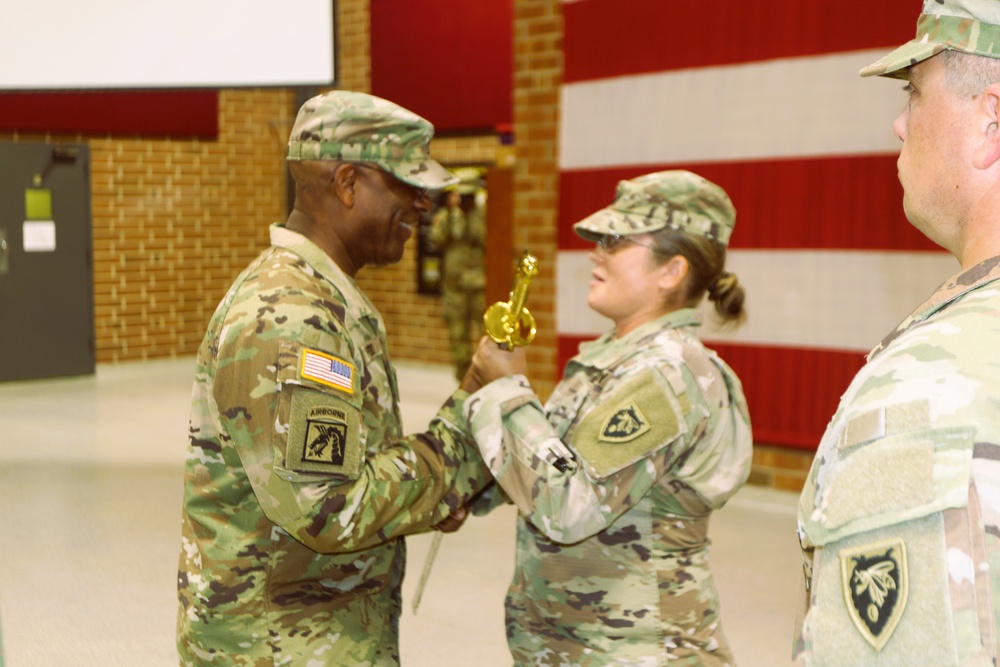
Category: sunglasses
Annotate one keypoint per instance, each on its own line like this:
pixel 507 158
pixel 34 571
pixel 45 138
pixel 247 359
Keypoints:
pixel 609 242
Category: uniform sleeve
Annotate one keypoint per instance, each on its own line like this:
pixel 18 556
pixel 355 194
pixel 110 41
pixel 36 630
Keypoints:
pixel 319 464
pixel 575 489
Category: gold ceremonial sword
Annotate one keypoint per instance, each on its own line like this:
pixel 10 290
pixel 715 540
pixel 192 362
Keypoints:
pixel 509 324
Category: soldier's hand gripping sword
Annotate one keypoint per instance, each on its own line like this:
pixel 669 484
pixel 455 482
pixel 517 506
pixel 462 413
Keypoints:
pixel 509 324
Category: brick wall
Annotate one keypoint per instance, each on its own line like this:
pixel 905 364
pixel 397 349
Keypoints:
pixel 176 221
pixel 538 69
pixel 779 467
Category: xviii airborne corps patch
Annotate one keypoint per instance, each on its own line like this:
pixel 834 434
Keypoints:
pixel 875 588
pixel 326 438
pixel 323 435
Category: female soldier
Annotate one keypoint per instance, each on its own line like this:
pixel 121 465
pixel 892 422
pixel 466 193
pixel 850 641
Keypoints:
pixel 615 478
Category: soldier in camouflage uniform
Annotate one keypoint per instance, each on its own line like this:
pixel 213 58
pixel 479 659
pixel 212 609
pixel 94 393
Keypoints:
pixel 899 519
pixel 462 236
pixel 616 476
pixel 299 484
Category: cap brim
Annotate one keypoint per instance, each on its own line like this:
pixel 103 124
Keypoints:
pixel 895 63
pixel 426 174
pixel 594 226
pixel 608 221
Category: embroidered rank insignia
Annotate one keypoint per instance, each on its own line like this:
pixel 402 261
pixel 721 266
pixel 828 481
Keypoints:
pixel 327 370
pixel 625 424
pixel 875 583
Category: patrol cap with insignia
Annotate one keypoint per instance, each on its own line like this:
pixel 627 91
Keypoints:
pixel 356 127
pixel 969 26
pixel 675 199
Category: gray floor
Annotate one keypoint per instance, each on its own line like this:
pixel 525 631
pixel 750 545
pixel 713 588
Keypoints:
pixel 90 489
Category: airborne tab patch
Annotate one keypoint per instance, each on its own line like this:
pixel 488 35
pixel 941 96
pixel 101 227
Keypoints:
pixel 626 424
pixel 323 435
pixel 875 583
pixel 327 370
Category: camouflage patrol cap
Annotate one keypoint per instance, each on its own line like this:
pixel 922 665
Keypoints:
pixel 969 26
pixel 674 199
pixel 356 127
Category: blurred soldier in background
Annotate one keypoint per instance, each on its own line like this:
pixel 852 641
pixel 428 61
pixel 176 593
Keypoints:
pixel 459 229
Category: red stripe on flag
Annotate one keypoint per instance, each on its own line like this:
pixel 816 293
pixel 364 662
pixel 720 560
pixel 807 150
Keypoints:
pixel 792 392
pixel 849 203
pixel 606 39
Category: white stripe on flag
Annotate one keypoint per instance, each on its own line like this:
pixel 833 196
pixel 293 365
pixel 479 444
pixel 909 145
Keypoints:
pixel 791 107
pixel 840 300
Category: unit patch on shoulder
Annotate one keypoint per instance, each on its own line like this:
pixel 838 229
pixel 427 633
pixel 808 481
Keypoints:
pixel 626 424
pixel 637 418
pixel 327 370
pixel 875 584
pixel 323 435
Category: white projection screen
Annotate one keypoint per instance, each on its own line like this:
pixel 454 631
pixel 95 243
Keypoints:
pixel 144 44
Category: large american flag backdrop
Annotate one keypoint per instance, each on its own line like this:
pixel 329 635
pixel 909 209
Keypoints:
pixel 765 100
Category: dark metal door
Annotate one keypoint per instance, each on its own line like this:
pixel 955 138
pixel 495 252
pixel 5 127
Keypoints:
pixel 46 279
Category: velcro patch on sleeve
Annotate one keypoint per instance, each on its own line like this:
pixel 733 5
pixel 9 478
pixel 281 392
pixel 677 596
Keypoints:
pixel 638 417
pixel 324 435
pixel 327 370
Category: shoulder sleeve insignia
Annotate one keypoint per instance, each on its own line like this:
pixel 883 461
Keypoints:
pixel 625 425
pixel 327 370
pixel 875 584
pixel 637 418
pixel 324 435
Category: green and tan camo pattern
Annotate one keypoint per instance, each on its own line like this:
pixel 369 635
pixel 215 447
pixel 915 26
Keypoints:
pixel 462 238
pixel 969 26
pixel 912 457
pixel 675 199
pixel 356 127
pixel 284 566
pixel 612 545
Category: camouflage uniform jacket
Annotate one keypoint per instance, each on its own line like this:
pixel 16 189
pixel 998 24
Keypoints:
pixel 298 483
pixel 900 516
pixel 615 480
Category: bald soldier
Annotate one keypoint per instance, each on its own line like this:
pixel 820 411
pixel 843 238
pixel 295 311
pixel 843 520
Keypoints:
pixel 299 484
pixel 899 519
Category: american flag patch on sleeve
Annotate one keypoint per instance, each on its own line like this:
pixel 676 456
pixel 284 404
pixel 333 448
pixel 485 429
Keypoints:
pixel 331 371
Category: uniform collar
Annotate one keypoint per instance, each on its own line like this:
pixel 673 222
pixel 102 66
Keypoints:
pixel 324 266
pixel 607 348
pixel 955 287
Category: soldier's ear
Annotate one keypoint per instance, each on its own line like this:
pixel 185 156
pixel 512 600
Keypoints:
pixel 987 152
pixel 344 181
pixel 673 273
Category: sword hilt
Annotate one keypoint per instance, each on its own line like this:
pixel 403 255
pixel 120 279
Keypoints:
pixel 509 323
